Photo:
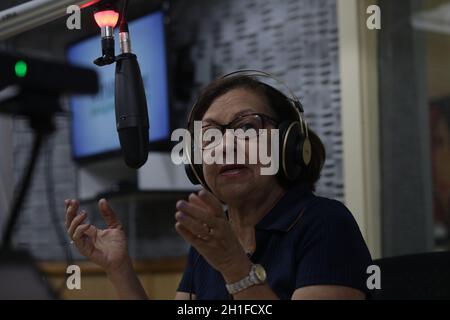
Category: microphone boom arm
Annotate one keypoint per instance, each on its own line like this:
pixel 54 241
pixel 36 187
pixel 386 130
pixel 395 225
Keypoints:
pixel 35 13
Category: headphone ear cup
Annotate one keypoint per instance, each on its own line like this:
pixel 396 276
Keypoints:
pixel 305 152
pixel 289 133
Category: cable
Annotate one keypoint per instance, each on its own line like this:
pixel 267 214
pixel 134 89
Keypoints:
pixel 22 191
pixel 54 217
pixel 123 19
pixel 4 195
pixel 4 198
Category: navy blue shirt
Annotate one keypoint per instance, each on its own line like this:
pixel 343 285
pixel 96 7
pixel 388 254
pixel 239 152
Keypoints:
pixel 304 240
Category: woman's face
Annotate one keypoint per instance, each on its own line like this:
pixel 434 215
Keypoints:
pixel 231 183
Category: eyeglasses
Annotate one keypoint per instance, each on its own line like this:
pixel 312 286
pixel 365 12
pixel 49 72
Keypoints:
pixel 245 127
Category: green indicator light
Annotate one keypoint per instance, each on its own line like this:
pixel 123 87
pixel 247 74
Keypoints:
pixel 21 68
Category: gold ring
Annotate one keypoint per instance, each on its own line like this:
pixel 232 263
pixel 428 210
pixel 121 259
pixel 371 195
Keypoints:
pixel 209 228
pixel 205 238
pixel 209 232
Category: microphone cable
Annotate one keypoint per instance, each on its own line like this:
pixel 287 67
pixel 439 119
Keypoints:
pixel 123 20
pixel 53 211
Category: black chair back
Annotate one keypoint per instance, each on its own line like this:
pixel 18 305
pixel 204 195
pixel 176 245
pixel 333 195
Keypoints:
pixel 421 276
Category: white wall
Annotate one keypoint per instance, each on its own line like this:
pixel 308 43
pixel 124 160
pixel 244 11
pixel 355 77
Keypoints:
pixel 360 127
pixel 159 173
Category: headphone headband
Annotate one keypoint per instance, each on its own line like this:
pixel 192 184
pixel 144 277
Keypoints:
pixel 257 73
pixel 297 105
pixel 292 97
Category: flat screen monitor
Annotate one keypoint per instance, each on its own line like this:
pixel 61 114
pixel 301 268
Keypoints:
pixel 93 125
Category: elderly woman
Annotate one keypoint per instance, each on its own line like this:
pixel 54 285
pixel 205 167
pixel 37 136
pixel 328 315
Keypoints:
pixel 275 240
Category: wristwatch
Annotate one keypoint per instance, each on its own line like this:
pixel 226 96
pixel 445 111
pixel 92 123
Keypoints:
pixel 256 276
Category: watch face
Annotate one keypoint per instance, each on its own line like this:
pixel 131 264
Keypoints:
pixel 260 273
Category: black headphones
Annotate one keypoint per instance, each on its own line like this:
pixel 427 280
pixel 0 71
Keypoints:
pixel 295 146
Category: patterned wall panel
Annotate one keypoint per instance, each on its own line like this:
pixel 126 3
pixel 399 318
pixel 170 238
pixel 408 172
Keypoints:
pixel 297 40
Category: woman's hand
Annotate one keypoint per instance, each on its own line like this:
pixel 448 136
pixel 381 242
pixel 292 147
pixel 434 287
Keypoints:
pixel 202 222
pixel 108 247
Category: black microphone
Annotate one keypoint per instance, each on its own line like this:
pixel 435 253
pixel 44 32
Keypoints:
pixel 131 111
pixel 131 104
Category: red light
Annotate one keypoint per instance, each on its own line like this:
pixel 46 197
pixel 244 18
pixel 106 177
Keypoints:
pixel 106 18
pixel 89 4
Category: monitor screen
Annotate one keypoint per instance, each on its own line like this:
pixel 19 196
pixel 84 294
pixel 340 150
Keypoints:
pixel 93 119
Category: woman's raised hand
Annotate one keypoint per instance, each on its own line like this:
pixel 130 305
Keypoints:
pixel 105 247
